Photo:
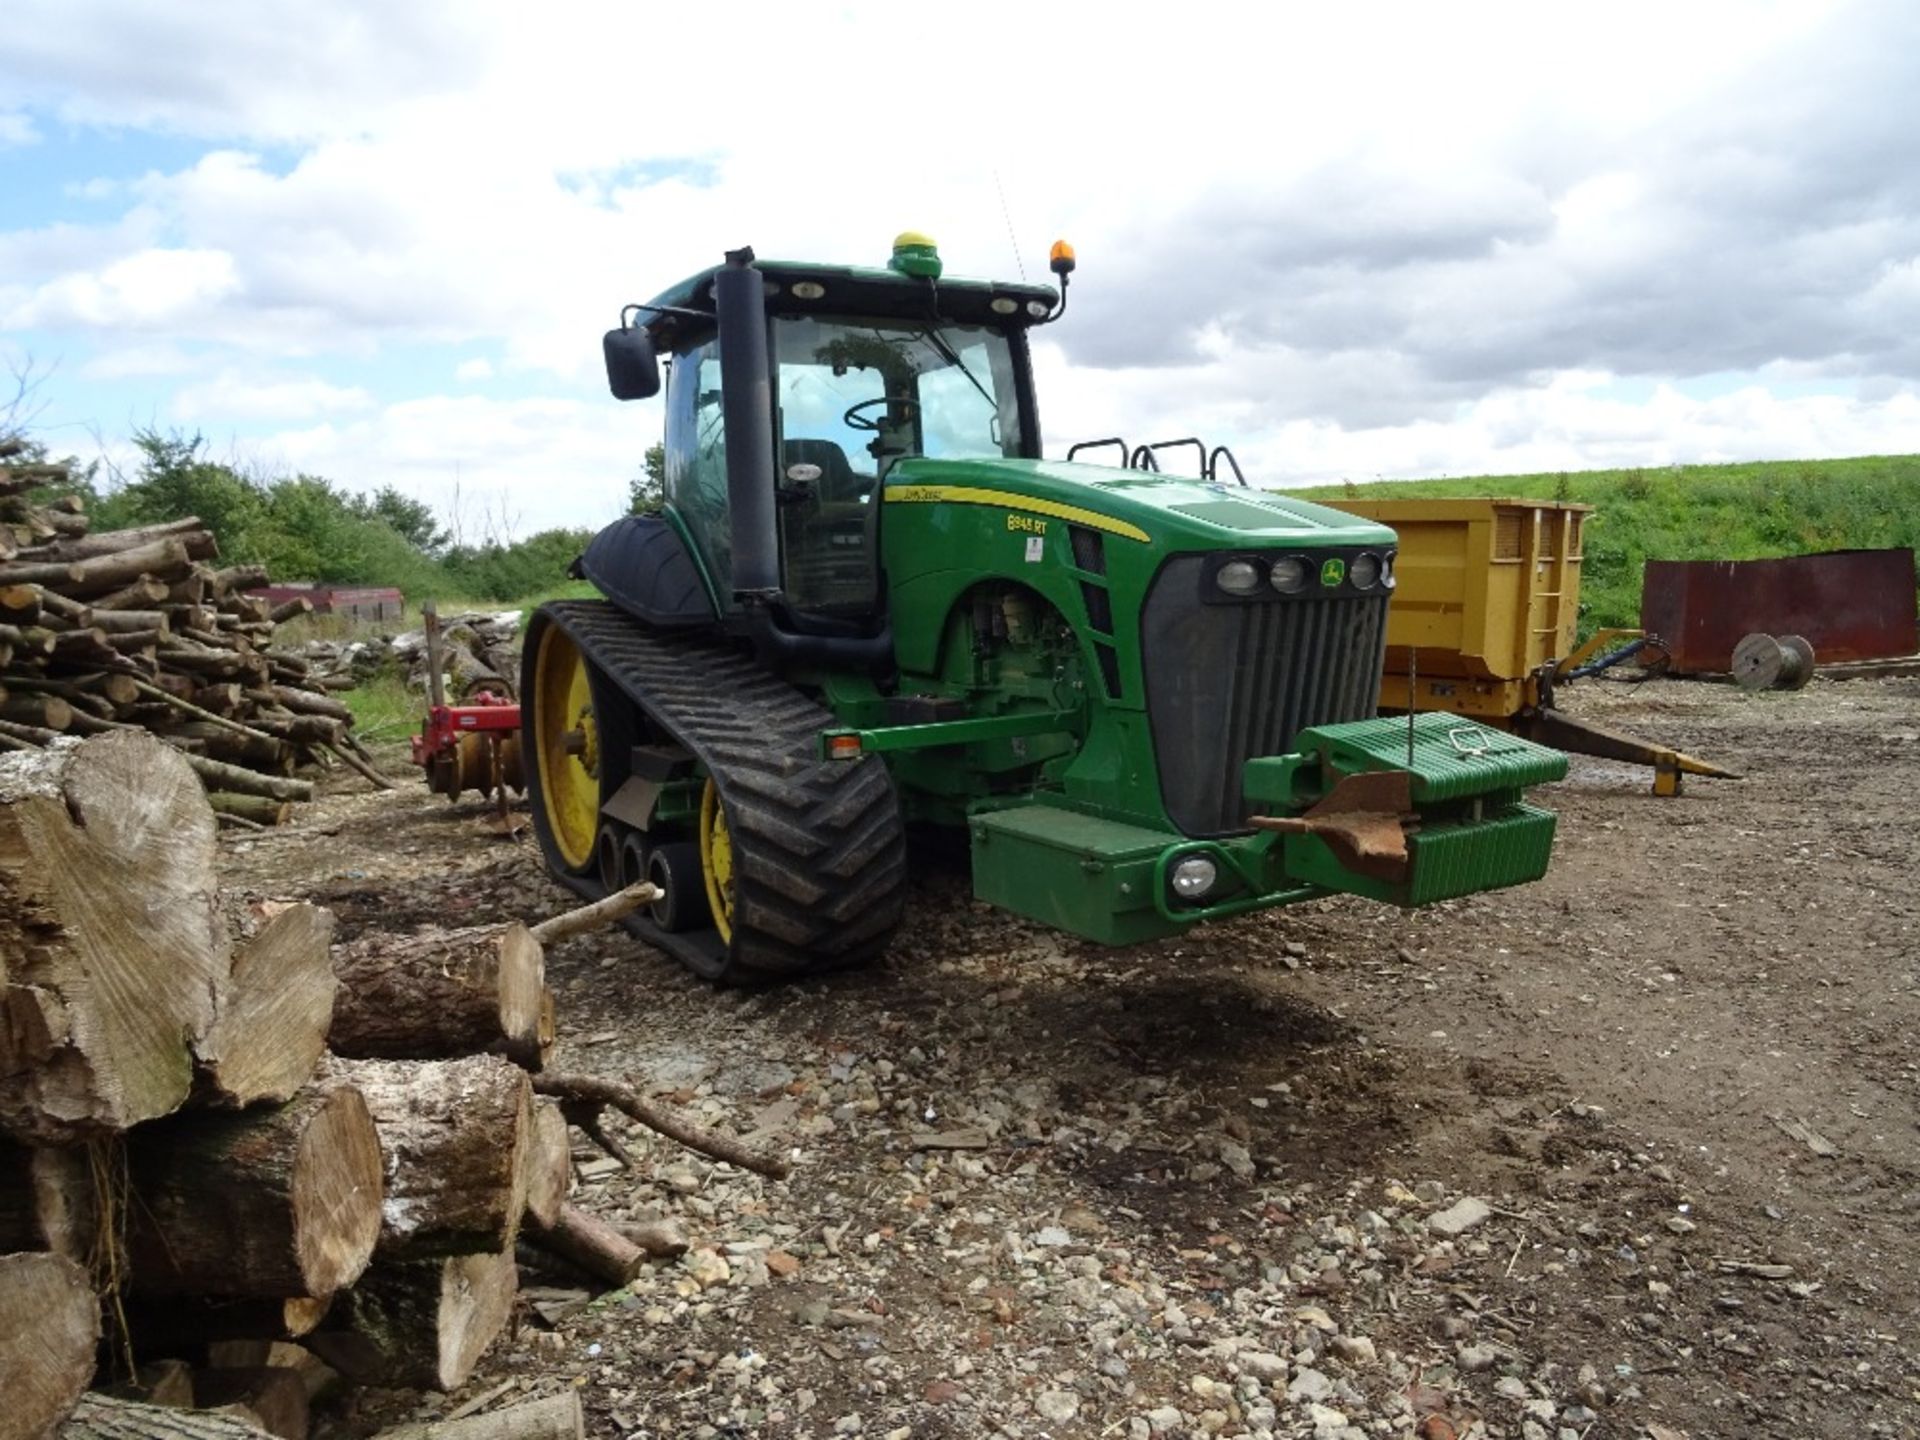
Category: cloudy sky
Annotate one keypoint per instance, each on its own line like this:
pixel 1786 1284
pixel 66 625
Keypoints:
pixel 380 242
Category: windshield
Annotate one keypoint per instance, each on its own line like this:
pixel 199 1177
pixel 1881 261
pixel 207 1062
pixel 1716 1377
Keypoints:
pixel 856 395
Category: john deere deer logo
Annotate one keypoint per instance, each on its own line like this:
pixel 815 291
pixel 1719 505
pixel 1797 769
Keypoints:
pixel 1332 573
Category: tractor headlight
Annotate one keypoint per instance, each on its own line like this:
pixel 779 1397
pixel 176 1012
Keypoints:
pixel 1238 577
pixel 1289 575
pixel 1364 571
pixel 1193 876
pixel 1386 570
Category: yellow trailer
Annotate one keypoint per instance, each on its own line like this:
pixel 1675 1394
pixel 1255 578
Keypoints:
pixel 1485 609
pixel 1486 592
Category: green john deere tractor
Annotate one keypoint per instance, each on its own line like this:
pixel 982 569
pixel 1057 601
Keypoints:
pixel 868 601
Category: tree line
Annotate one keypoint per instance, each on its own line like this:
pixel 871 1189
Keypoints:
pixel 306 527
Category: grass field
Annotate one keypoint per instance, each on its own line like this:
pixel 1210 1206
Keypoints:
pixel 1701 512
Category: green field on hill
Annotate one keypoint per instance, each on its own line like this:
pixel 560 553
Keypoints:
pixel 1699 512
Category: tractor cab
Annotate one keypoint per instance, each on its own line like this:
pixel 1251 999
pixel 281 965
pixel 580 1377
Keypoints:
pixel 854 370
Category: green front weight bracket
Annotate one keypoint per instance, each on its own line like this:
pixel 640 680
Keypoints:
pixel 1470 829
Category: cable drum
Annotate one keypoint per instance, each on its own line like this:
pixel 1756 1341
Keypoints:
pixel 1763 662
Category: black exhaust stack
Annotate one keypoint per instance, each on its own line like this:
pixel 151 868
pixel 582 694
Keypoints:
pixel 746 380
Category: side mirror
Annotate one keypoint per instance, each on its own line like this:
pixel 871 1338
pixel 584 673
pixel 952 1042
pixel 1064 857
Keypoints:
pixel 632 371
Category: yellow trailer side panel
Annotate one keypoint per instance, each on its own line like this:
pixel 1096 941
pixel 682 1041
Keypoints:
pixel 1488 590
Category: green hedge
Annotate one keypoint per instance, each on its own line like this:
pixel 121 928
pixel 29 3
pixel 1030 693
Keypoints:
pixel 1700 512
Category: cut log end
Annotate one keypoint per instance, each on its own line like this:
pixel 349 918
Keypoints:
pixel 261 1203
pixel 522 985
pixel 45 1364
pixel 422 1322
pixel 271 1030
pixel 122 976
pixel 447 993
pixel 337 1178
pixel 549 1163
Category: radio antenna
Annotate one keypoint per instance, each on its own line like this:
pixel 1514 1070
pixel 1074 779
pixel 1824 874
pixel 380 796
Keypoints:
pixel 1007 215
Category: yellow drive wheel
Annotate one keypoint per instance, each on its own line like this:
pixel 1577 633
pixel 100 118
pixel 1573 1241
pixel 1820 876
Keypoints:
pixel 567 742
pixel 716 859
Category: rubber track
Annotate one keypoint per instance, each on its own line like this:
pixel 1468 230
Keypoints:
pixel 819 849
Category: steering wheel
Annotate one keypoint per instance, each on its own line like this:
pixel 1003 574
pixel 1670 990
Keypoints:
pixel 854 420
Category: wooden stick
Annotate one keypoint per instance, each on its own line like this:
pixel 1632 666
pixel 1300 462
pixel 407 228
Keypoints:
pixel 261 810
pixel 190 532
pixel 556 1417
pixel 591 1243
pixel 631 1103
pixel 101 1417
pixel 54 603
pixel 154 692
pixel 356 763
pixel 140 595
pixel 114 621
pixel 49 712
pixel 305 702
pixel 552 1417
pixel 219 776
pixel 32 734
pixel 616 906
pixel 25 477
pixel 75 695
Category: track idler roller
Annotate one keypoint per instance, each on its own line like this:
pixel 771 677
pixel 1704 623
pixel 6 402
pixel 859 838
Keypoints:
pixel 606 856
pixel 682 906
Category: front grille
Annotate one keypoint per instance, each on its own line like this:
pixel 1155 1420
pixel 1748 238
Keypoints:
pixel 1226 683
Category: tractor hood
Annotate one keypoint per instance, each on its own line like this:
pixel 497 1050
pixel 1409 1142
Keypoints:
pixel 1138 504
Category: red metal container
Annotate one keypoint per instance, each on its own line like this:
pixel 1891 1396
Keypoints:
pixel 361 602
pixel 1848 604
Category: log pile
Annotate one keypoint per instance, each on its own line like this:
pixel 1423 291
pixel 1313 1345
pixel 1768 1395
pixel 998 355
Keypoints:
pixel 182 1153
pixel 479 651
pixel 141 629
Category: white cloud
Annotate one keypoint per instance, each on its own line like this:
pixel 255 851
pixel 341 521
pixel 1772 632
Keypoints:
pixel 234 397
pixel 149 290
pixel 1388 235
pixel 1572 420
pixel 17 129
pixel 126 362
pixel 494 467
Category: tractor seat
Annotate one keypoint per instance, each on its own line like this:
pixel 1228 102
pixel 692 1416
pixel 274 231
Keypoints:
pixel 837 485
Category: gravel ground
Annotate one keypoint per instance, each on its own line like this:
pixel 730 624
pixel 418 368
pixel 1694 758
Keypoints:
pixel 1628 1152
